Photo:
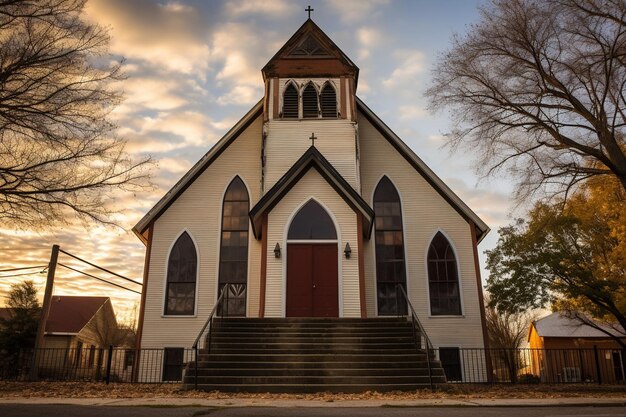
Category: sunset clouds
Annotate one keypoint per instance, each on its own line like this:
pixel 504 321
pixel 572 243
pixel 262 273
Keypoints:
pixel 194 68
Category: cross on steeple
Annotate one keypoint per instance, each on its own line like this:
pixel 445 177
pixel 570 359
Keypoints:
pixel 313 139
pixel 309 9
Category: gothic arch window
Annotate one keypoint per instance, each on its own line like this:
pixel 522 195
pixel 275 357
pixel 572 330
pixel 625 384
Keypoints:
pixel 290 102
pixel 443 278
pixel 312 222
pixel 390 265
pixel 309 102
pixel 328 101
pixel 182 268
pixel 234 248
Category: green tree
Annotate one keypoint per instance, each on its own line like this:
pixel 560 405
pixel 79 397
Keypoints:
pixel 570 255
pixel 18 331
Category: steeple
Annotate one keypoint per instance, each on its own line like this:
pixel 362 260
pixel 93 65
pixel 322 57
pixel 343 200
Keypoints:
pixel 310 53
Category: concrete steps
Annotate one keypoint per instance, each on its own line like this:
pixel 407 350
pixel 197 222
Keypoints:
pixel 312 355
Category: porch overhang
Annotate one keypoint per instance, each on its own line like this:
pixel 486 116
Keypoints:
pixel 311 159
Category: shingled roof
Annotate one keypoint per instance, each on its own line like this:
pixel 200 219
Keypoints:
pixel 69 314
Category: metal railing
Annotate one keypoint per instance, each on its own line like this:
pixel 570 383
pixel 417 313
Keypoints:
pixel 417 327
pixel 208 327
pixel 592 365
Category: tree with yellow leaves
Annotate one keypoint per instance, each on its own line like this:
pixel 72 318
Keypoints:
pixel 570 254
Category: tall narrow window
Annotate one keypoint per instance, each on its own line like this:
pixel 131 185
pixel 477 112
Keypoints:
pixel 180 294
pixel 290 102
pixel 390 267
pixel 234 248
pixel 443 279
pixel 328 101
pixel 309 102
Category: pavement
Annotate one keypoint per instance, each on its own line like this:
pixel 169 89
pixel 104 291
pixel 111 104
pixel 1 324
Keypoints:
pixel 295 403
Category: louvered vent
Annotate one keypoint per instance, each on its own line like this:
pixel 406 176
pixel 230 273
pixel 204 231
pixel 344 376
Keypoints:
pixel 309 102
pixel 328 100
pixel 290 102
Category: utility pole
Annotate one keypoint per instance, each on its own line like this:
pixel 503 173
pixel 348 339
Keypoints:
pixel 45 310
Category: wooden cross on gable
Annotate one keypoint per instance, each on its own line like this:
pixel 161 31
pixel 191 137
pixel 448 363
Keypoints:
pixel 309 9
pixel 313 139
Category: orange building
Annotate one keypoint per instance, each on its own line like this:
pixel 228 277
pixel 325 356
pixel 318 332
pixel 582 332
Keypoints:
pixel 562 349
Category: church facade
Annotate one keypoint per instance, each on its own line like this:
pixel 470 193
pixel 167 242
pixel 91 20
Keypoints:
pixel 310 206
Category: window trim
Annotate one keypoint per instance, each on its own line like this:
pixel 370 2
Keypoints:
pixel 317 100
pixel 219 239
pixel 164 364
pixel 406 269
pixel 167 259
pixel 458 272
pixel 332 85
pixel 281 103
pixel 461 361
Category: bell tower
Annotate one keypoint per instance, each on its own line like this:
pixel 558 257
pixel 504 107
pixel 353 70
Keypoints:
pixel 309 100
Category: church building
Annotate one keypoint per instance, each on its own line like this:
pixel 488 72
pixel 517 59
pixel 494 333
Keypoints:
pixel 311 206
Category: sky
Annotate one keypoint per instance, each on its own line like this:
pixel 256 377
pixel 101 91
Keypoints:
pixel 194 68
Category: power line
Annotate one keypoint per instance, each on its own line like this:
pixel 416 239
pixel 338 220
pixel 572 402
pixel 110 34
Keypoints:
pixel 20 275
pixel 98 278
pixel 25 267
pixel 101 268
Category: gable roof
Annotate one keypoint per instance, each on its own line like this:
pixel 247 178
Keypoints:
pixel 560 325
pixel 196 170
pixel 312 158
pixel 481 227
pixel 199 167
pixel 69 314
pixel 331 52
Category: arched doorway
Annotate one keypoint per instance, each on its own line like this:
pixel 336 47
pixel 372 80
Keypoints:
pixel 312 264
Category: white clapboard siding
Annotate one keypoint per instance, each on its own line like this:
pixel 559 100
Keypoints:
pixel 312 185
pixel 287 140
pixel 424 213
pixel 198 211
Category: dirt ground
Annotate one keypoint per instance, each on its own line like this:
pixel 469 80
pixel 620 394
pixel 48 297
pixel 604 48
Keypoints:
pixel 119 390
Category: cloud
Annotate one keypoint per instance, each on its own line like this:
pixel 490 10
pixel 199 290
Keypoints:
pixel 411 64
pixel 490 204
pixel 172 36
pixel 368 39
pixel 410 112
pixel 350 11
pixel 271 8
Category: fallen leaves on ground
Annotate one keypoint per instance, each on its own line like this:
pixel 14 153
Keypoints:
pixel 121 390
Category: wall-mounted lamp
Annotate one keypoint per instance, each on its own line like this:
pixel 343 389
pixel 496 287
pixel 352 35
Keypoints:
pixel 277 251
pixel 347 251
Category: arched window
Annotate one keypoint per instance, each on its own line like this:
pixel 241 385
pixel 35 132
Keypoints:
pixel 390 267
pixel 443 278
pixel 290 102
pixel 182 266
pixel 328 101
pixel 309 102
pixel 312 222
pixel 234 247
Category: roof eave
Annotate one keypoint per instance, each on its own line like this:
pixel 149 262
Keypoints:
pixel 436 182
pixel 156 211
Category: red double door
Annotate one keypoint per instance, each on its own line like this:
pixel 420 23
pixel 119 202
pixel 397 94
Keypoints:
pixel 312 280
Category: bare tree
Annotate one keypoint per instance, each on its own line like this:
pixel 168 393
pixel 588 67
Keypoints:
pixel 507 333
pixel 538 87
pixel 58 149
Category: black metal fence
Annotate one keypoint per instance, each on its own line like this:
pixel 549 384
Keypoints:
pixel 461 365
pixel 533 366
pixel 97 365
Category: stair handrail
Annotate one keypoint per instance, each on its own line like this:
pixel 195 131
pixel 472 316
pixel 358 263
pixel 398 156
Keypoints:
pixel 207 323
pixel 417 324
